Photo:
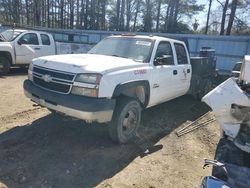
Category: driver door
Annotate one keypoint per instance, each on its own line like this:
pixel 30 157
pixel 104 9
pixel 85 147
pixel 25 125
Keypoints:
pixel 27 48
pixel 164 75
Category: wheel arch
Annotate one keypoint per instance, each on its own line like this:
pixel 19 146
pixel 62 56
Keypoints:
pixel 139 89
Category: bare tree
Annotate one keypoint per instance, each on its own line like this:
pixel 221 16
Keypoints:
pixel 138 3
pixel 158 15
pixel 232 15
pixel 208 15
pixel 223 18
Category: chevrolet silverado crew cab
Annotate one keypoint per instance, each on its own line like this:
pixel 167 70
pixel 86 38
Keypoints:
pixel 113 82
pixel 18 47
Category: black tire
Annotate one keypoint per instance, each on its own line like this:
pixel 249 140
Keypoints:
pixel 126 120
pixel 4 65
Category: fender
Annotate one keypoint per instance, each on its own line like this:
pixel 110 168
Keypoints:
pixel 119 89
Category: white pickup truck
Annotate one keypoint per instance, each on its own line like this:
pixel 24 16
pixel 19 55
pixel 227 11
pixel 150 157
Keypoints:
pixel 18 47
pixel 113 82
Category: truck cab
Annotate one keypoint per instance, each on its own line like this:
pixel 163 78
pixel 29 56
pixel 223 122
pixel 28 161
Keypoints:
pixel 113 82
pixel 18 47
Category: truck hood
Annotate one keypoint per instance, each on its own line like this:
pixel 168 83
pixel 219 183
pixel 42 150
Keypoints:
pixel 5 44
pixel 86 63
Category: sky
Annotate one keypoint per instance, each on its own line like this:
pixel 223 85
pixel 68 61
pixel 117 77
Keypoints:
pixel 202 16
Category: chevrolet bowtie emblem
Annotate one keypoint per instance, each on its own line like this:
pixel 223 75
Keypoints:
pixel 47 78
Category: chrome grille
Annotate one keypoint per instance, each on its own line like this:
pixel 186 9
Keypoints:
pixel 53 80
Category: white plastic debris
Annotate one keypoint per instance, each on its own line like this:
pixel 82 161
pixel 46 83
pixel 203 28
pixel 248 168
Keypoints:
pixel 220 100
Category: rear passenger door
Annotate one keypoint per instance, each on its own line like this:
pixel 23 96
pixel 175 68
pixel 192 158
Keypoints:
pixel 183 68
pixel 47 45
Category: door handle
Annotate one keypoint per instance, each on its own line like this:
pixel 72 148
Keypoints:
pixel 175 72
pixel 36 48
pixel 156 85
pixel 188 70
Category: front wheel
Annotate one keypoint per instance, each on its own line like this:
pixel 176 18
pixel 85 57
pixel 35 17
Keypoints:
pixel 126 120
pixel 4 65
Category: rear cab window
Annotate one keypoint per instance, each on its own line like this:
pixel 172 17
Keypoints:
pixel 45 39
pixel 181 54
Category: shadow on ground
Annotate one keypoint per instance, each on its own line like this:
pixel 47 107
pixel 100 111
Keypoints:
pixel 16 71
pixel 52 152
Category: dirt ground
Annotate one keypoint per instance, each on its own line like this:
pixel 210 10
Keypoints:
pixel 38 149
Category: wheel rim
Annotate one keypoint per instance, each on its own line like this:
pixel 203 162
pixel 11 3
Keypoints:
pixel 130 121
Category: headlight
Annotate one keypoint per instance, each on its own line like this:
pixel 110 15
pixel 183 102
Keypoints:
pixel 30 72
pixel 86 84
pixel 88 78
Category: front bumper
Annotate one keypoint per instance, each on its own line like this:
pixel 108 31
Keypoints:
pixel 86 108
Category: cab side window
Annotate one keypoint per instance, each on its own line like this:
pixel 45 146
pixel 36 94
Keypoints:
pixel 29 38
pixel 164 50
pixel 45 39
pixel 181 54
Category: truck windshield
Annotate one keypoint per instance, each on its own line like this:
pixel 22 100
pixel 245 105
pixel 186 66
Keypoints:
pixel 9 35
pixel 133 48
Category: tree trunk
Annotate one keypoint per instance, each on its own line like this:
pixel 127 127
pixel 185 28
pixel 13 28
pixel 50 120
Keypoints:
pixel 48 14
pixel 166 18
pixel 171 16
pixel 176 13
pixel 92 15
pixel 27 12
pixel 208 16
pixel 232 15
pixel 103 19
pixel 118 4
pixel 98 4
pixel 136 14
pixel 86 23
pixel 158 16
pixel 223 18
pixel 148 17
pixel 128 14
pixel 71 14
pixel 122 16
pixel 61 13
pixel 37 8
pixel 81 14
pixel 77 14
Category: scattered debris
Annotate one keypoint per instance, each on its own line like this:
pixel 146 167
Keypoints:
pixel 195 125
pixel 230 103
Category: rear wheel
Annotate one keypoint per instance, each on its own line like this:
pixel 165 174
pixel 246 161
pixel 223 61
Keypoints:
pixel 4 65
pixel 126 120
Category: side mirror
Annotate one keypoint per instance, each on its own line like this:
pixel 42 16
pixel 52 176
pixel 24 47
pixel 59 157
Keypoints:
pixel 22 41
pixel 164 60
pixel 19 42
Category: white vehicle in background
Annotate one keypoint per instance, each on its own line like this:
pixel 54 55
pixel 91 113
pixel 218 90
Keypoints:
pixel 236 70
pixel 18 47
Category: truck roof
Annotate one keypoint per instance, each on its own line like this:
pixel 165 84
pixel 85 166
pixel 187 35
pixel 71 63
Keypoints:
pixel 28 30
pixel 152 37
